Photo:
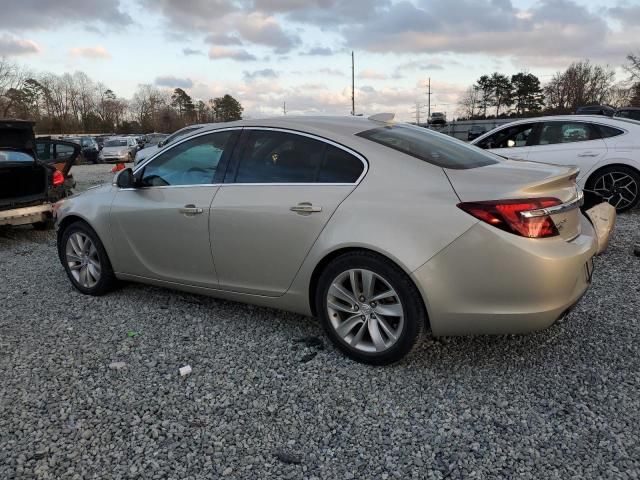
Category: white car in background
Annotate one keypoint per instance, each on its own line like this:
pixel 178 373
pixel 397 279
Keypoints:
pixel 148 151
pixel 606 150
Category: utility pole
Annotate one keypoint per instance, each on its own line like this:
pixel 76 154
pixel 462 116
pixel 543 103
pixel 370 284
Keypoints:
pixel 353 85
pixel 429 100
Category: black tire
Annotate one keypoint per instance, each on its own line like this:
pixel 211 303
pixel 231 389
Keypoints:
pixel 594 184
pixel 415 317
pixel 107 280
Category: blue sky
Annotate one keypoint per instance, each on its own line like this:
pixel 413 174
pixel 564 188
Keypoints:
pixel 266 52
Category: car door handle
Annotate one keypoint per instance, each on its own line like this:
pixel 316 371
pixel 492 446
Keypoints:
pixel 588 154
pixel 191 210
pixel 305 208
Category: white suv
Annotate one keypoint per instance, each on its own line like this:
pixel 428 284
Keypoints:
pixel 607 151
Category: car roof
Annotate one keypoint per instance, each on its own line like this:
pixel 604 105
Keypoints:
pixel 333 127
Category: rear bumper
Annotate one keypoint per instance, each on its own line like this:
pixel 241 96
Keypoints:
pixel 492 282
pixel 26 215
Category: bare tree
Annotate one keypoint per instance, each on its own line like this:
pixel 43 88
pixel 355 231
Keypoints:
pixel 580 84
pixel 469 104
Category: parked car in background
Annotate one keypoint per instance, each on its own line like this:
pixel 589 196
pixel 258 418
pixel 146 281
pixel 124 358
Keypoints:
pixel 33 174
pixel 605 110
pixel 88 147
pixel 380 229
pixel 628 112
pixel 101 138
pixel 474 132
pixel 606 150
pixel 438 118
pixel 119 149
pixel 148 151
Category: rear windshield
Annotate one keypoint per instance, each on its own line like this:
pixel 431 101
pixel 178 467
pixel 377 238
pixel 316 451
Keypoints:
pixel 435 148
pixel 12 156
pixel 115 143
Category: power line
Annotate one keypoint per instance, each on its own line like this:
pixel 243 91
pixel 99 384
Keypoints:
pixel 417 110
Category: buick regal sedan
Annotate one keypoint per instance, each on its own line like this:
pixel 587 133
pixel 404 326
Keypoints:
pixel 380 229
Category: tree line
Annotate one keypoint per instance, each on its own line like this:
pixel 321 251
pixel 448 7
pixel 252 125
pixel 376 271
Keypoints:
pixel 521 95
pixel 74 103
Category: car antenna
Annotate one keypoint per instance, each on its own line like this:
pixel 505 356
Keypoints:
pixel 382 117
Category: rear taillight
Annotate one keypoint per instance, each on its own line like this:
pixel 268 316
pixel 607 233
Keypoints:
pixel 58 178
pixel 521 217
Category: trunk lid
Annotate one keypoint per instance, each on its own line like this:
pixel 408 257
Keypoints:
pixel 513 179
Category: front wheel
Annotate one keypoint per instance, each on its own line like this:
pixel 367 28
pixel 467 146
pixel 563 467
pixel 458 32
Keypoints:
pixel 85 260
pixel 370 308
pixel 619 185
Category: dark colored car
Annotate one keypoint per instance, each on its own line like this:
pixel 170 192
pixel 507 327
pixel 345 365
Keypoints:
pixel 605 110
pixel 89 148
pixel 33 174
pixel 628 112
pixel 474 132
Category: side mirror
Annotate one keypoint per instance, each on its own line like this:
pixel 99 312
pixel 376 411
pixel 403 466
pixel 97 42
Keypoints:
pixel 125 179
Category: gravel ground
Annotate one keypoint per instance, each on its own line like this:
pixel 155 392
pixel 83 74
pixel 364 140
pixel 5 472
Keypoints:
pixel 267 400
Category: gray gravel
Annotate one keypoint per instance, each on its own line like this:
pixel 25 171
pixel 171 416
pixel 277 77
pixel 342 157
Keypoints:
pixel 91 386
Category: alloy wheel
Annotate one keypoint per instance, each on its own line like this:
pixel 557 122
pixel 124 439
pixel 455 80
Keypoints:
pixel 617 188
pixel 83 260
pixel 365 311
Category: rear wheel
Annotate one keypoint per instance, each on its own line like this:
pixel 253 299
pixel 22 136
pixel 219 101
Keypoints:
pixel 619 185
pixel 85 260
pixel 369 308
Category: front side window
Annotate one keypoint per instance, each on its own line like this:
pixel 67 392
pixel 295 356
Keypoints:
pixel 434 148
pixel 566 132
pixel 193 162
pixel 279 157
pixel 509 137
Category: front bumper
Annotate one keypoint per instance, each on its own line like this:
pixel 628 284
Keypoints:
pixel 492 282
pixel 26 215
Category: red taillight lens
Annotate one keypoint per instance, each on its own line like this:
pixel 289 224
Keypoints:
pixel 58 178
pixel 508 215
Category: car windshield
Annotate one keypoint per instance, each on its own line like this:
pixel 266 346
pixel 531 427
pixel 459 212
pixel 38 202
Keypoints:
pixel 86 142
pixel 435 148
pixel 13 156
pixel 115 143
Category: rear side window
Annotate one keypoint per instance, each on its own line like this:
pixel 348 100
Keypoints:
pixel 340 167
pixel 608 132
pixel 434 148
pixel 566 132
pixel 279 157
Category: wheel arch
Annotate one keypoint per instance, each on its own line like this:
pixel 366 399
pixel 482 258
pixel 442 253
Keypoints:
pixel 332 255
pixel 607 166
pixel 68 220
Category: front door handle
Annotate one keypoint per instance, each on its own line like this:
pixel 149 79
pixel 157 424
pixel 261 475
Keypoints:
pixel 190 210
pixel 305 208
pixel 588 154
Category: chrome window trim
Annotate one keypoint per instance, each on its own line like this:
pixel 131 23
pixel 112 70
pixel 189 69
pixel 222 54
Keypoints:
pixel 274 129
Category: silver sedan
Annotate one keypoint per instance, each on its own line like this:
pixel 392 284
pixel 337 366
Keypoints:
pixel 380 229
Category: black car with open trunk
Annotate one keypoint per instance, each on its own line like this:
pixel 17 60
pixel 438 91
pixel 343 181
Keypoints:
pixel 33 174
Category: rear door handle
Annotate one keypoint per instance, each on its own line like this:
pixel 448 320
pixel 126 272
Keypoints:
pixel 588 154
pixel 191 210
pixel 305 208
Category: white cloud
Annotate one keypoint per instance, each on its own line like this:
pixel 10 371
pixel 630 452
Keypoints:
pixel 11 45
pixel 97 52
pixel 239 54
